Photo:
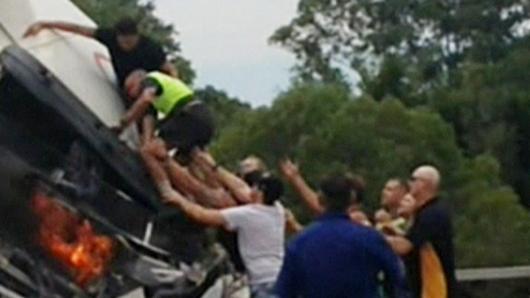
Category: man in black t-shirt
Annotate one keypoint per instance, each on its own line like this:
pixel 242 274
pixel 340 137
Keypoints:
pixel 128 49
pixel 427 248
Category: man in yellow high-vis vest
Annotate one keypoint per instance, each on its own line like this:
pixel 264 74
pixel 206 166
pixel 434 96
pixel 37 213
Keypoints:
pixel 182 121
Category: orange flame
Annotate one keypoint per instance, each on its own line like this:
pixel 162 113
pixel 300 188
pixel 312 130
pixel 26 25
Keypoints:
pixel 72 241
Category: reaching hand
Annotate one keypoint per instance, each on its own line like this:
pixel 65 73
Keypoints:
pixel 382 216
pixel 289 216
pixel 289 169
pixel 204 157
pixel 34 29
pixel 359 217
pixel 157 148
pixel 292 223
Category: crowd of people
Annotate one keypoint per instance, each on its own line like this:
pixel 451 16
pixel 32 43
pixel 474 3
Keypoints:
pixel 404 250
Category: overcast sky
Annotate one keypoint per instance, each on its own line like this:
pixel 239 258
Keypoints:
pixel 226 41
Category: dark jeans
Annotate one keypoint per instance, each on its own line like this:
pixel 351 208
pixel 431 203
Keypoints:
pixel 190 126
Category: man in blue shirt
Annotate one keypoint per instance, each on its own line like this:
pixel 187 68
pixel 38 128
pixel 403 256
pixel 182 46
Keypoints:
pixel 334 257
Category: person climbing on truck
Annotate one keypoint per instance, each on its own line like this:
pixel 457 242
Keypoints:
pixel 129 50
pixel 167 104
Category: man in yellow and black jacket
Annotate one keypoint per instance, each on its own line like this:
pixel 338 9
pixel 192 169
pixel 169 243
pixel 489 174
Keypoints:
pixel 182 121
pixel 427 248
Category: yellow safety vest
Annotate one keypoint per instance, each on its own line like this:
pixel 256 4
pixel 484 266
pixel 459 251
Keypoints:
pixel 174 93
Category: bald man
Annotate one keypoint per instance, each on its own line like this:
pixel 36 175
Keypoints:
pixel 427 247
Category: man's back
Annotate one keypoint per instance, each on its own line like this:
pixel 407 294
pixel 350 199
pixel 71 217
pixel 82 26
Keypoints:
pixel 337 258
pixel 260 230
pixel 147 55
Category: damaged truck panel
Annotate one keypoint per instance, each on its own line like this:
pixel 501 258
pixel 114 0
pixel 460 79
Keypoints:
pixel 49 97
pixel 57 101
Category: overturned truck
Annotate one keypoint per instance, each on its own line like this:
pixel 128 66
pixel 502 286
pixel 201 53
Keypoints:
pixel 79 214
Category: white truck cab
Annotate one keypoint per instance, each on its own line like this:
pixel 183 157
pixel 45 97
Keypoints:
pixel 58 100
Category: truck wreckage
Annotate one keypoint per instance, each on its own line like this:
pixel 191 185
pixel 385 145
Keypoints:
pixel 79 214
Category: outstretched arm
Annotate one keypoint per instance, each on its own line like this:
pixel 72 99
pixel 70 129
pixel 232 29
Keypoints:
pixel 190 185
pixel 308 195
pixel 292 225
pixel 169 195
pixel 138 109
pixel 234 184
pixel 153 154
pixel 167 172
pixel 63 26
pixel 206 173
pixel 196 212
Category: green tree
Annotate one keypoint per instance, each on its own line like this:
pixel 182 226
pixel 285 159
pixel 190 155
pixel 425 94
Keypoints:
pixel 225 108
pixel 107 12
pixel 489 215
pixel 428 37
pixel 490 112
pixel 294 116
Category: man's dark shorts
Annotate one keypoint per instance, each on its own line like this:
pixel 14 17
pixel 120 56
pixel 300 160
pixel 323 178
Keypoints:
pixel 190 126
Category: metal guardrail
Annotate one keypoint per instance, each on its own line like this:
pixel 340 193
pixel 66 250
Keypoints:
pixel 474 274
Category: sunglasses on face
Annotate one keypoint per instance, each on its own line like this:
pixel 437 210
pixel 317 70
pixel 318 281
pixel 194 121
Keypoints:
pixel 415 178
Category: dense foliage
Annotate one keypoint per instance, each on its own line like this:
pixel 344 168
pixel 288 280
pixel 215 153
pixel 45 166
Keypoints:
pixel 431 36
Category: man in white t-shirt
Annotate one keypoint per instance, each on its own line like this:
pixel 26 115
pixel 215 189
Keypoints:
pixel 260 224
pixel 260 229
